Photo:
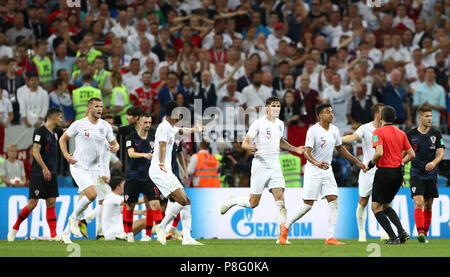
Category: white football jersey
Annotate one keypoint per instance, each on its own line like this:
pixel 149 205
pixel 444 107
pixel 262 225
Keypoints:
pixel 322 142
pixel 112 213
pixel 267 136
pixel 164 132
pixel 365 132
pixel 90 141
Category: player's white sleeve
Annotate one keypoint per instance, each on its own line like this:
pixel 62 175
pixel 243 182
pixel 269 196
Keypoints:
pixel 309 142
pixel 338 140
pixel 73 129
pixel 360 131
pixel 109 133
pixel 104 162
pixel 253 130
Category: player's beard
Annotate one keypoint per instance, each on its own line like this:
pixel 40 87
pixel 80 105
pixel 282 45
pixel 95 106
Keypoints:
pixel 274 112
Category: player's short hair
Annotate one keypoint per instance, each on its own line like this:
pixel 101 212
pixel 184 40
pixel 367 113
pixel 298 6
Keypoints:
pixel 170 107
pixel 322 107
pixel 135 111
pixel 375 108
pixel 272 99
pixel 432 68
pixel 94 99
pixel 115 181
pixel 9 146
pixel 388 114
pixel 423 109
pixel 204 144
pixel 51 112
pixel 147 114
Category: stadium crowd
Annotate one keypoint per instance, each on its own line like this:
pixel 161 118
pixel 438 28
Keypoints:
pixel 226 53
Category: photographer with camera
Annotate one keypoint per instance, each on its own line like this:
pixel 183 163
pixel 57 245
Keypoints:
pixel 236 164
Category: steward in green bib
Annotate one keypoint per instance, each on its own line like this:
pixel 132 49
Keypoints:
pixel 120 101
pixel 82 95
pixel 101 75
pixel 43 64
pixel 291 166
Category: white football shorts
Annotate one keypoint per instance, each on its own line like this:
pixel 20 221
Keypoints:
pixel 318 183
pixel 365 183
pixel 263 176
pixel 166 182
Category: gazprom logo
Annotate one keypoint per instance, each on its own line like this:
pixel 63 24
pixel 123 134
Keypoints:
pixel 243 226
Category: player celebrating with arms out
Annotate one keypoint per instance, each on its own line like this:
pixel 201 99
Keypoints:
pixel 321 139
pixel 365 180
pixel 267 136
pixel 161 174
pixel 43 172
pixel 90 134
pixel 428 145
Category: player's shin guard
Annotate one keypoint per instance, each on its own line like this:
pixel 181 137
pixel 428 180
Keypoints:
pixel 419 219
pixel 24 213
pixel 332 217
pixel 149 222
pixel 186 220
pixel 426 220
pixel 51 221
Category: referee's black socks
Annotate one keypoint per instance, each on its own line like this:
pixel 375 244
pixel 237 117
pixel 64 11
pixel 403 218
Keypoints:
pixel 393 217
pixel 384 222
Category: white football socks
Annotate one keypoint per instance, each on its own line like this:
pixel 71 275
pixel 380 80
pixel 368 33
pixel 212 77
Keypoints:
pixel 299 213
pixel 171 212
pixel 83 203
pixel 332 218
pixel 92 215
pixel 241 201
pixel 361 215
pixel 186 221
pixel 281 212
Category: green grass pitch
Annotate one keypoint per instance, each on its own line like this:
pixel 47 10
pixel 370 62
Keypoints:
pixel 225 248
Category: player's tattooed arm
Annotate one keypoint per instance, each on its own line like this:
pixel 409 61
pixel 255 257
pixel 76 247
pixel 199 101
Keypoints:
pixel 247 146
pixel 285 145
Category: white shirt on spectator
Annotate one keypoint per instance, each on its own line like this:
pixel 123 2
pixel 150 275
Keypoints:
pixel 132 81
pixel 6 51
pixel 400 54
pixel 408 22
pixel 411 71
pixel 207 42
pixel 134 41
pixel 272 43
pixel 120 32
pixel 256 97
pixel 5 107
pixel 338 100
pixel 376 55
pixel 142 58
pixel 33 105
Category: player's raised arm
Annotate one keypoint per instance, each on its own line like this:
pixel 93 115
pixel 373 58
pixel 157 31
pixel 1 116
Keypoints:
pixel 197 129
pixel 285 145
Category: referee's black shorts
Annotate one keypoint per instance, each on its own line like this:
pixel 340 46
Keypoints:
pixel 386 183
pixel 134 187
pixel 41 189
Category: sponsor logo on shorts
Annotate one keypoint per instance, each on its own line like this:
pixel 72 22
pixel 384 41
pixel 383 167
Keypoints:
pixel 413 189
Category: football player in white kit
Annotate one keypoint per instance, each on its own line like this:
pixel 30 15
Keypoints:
pixel 160 172
pixel 90 134
pixel 321 140
pixel 266 135
pixel 365 180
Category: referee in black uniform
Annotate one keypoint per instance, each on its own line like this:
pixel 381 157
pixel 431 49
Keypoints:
pixel 428 144
pixel 390 143
pixel 43 183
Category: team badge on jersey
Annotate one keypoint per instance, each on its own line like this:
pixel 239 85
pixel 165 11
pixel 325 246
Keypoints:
pixel 102 131
pixel 126 197
pixel 413 189
pixel 433 139
pixel 36 192
pixel 152 144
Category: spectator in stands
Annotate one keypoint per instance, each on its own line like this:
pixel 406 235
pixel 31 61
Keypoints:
pixel 43 65
pixel 33 102
pixel 206 91
pixel 256 94
pixel 61 61
pixel 394 95
pixel 204 167
pixel 132 80
pixel 12 170
pixel 10 83
pixel 144 52
pixel 167 93
pixel 309 98
pixel 40 29
pixel 441 70
pixel 358 107
pixel 145 96
pixel 432 94
pixel 6 111
pixel 61 98
pixel 18 29
pixel 290 111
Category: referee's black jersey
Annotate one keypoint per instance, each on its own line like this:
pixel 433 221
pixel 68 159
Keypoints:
pixel 425 146
pixel 138 168
pixel 49 149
